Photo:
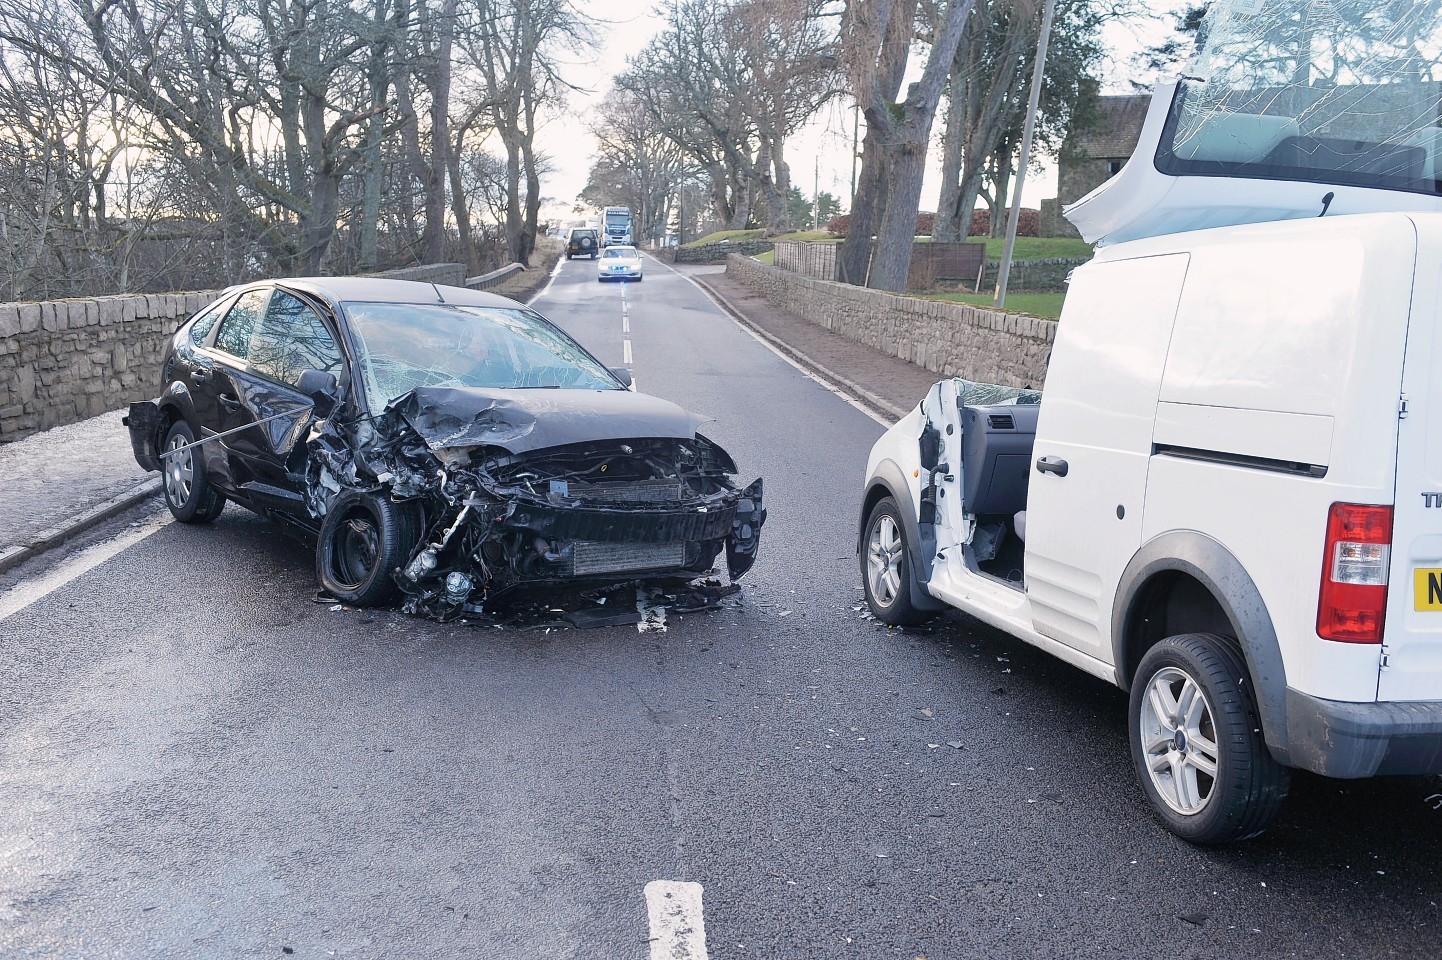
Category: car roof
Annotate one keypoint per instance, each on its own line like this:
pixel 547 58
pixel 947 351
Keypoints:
pixel 384 290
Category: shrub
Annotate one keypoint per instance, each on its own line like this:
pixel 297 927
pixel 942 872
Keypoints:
pixel 1028 224
pixel 840 226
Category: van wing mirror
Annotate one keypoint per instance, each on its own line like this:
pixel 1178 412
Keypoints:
pixel 321 387
pixel 624 375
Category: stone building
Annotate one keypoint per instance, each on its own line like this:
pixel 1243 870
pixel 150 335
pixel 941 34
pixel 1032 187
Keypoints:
pixel 1092 156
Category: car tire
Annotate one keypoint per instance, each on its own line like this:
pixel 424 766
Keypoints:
pixel 886 567
pixel 1192 711
pixel 188 491
pixel 364 538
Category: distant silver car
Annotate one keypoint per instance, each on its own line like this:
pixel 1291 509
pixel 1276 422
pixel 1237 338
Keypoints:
pixel 618 263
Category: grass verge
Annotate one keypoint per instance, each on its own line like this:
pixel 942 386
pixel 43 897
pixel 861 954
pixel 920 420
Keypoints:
pixel 1046 305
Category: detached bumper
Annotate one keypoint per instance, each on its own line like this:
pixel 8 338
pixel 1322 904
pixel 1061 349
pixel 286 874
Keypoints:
pixel 1354 740
pixel 144 420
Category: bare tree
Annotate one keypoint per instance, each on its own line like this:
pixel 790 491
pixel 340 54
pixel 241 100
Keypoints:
pixel 637 165
pixel 986 98
pixel 877 39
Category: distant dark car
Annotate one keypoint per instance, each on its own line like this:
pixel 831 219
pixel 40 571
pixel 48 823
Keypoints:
pixel 582 243
pixel 439 442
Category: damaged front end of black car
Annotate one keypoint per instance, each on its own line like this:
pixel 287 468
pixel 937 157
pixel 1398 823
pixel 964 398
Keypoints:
pixel 457 496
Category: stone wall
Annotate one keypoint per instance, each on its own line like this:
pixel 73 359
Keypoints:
pixel 1032 276
pixel 65 360
pixel 951 339
pixel 718 252
pixel 450 274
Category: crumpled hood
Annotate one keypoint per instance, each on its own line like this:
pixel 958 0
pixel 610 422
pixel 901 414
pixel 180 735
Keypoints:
pixel 519 421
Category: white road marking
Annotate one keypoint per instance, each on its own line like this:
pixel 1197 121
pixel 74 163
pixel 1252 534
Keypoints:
pixel 23 595
pixel 547 288
pixel 817 378
pixel 626 351
pixel 678 930
pixel 625 323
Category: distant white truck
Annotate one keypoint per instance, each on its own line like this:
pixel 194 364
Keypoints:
pixel 1227 500
pixel 616 226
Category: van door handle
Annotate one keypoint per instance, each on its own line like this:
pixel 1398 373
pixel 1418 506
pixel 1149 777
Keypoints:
pixel 1054 465
pixel 228 402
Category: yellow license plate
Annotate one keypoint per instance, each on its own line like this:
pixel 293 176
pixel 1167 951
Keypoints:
pixel 1427 588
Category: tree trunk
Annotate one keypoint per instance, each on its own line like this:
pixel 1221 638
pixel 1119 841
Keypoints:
pixel 948 227
pixel 459 207
pixel 853 260
pixel 898 218
pixel 434 239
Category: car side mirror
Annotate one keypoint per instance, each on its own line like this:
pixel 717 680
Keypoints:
pixel 321 387
pixel 624 375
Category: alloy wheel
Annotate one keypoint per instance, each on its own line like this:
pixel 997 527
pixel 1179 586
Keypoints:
pixel 1179 741
pixel 179 471
pixel 884 553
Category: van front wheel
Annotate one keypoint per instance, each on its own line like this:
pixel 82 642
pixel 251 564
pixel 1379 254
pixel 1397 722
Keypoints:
pixel 886 567
pixel 1197 742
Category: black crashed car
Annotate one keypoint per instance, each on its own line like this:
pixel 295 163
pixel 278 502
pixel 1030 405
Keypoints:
pixel 583 242
pixel 437 442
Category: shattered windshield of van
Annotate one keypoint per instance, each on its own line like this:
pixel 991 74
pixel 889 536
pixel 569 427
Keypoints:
pixel 973 394
pixel 1339 92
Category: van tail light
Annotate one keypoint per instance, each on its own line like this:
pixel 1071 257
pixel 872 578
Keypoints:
pixel 1353 599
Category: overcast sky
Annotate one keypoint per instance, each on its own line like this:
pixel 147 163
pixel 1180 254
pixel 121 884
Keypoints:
pixel 822 151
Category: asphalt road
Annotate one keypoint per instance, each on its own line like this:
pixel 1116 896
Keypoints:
pixel 196 760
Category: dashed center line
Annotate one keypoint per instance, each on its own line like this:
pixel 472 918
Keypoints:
pixel 626 350
pixel 678 930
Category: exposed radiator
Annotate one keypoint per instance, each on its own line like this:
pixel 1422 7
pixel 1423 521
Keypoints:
pixel 591 557
pixel 625 491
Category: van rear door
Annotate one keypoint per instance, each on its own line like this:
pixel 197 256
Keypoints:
pixel 1412 635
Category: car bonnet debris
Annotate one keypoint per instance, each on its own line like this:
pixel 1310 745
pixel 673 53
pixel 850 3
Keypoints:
pixel 515 488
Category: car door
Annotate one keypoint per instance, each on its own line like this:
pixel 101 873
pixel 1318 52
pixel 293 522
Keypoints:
pixel 289 339
pixel 217 392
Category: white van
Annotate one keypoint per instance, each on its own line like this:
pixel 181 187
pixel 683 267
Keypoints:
pixel 1227 500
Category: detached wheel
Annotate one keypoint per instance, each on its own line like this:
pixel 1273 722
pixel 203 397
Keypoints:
pixel 886 567
pixel 1197 741
pixel 364 538
pixel 188 492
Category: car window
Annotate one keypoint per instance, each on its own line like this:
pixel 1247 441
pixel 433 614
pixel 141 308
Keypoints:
pixel 621 253
pixel 404 346
pixel 205 321
pixel 240 323
pixel 290 340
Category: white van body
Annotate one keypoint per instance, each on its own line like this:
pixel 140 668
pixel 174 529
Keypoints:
pixel 1210 397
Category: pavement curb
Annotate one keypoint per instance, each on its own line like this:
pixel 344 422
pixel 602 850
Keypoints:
pixel 54 536
pixel 862 395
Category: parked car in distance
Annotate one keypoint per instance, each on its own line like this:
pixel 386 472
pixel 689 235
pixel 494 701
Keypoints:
pixel 619 263
pixel 1226 501
pixel 440 443
pixel 582 242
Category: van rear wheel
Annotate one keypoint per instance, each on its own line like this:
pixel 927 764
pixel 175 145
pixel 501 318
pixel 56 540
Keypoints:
pixel 1197 742
pixel 886 567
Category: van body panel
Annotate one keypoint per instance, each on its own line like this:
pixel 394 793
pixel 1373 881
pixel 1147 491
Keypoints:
pixel 1284 440
pixel 1097 414
pixel 1412 635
